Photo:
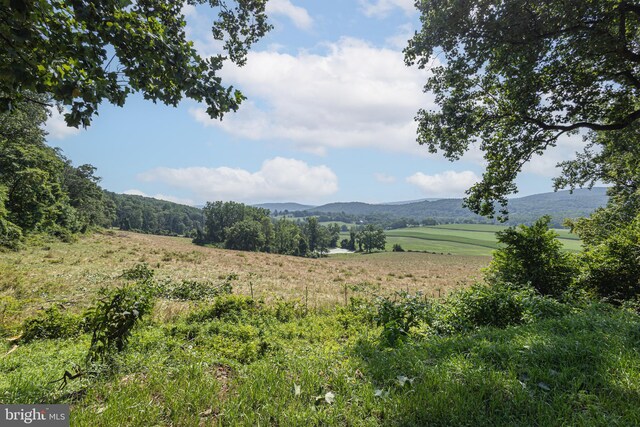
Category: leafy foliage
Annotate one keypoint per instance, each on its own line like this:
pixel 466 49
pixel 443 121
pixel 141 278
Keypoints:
pixel 225 306
pixel 51 323
pixel 505 81
pixel 85 53
pixel 399 315
pixel 370 238
pixel 613 263
pixel 193 290
pixel 139 273
pixel 498 305
pixel 148 215
pixel 113 318
pixel 532 256
pixel 40 191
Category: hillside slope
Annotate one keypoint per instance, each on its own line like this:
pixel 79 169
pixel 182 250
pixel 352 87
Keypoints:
pixel 559 205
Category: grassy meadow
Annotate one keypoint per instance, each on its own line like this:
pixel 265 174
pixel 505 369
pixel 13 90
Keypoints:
pixel 460 239
pixel 71 274
pixel 296 355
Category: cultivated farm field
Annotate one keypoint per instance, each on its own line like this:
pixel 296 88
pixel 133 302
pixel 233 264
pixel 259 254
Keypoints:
pixel 461 239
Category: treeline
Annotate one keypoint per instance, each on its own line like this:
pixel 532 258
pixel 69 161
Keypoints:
pixel 237 226
pixel 152 216
pixel 40 190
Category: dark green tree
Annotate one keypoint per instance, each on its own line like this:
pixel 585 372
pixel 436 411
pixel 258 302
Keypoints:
pixel 287 237
pixel 245 235
pixel 334 234
pixel 29 169
pixel 532 256
pixel 83 53
pixel 515 76
pixel 312 232
pixel 370 238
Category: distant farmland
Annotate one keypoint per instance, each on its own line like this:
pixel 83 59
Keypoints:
pixel 460 239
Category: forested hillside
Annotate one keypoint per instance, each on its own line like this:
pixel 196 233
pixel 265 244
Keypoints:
pixel 40 190
pixel 525 210
pixel 154 216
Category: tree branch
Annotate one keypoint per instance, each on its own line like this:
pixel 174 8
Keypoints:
pixel 588 125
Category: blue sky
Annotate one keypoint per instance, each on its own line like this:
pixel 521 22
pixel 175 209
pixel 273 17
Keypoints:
pixel 329 117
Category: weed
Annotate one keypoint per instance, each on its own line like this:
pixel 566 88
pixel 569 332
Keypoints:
pixel 51 323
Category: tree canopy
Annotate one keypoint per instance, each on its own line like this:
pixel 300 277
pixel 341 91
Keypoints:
pixel 515 76
pixel 82 53
pixel 40 190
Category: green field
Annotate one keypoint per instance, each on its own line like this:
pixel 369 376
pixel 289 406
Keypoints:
pixel 460 239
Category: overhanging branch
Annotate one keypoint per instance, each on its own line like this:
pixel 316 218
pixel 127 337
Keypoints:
pixel 587 125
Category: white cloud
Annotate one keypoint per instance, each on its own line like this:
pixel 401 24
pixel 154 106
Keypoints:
pixel 384 178
pixel 445 184
pixel 278 179
pixel 298 15
pixel 57 128
pixel 354 95
pixel 382 8
pixel 159 196
pixel 401 38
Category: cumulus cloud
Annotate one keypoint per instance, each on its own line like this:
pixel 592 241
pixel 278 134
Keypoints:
pixel 382 8
pixel 353 95
pixel 445 184
pixel 57 128
pixel 400 39
pixel 298 15
pixel 159 196
pixel 278 179
pixel 383 178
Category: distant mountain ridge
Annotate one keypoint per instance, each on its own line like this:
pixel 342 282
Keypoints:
pixel 290 206
pixel 559 205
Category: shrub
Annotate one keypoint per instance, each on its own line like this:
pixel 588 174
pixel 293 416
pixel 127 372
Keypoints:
pixel 225 306
pixel 497 305
pixel 138 273
pixel 193 290
pixel 397 248
pixel 113 318
pixel 532 256
pixel 398 315
pixel 52 323
pixel 285 311
pixel 613 264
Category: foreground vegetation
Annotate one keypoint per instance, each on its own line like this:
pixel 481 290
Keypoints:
pixel 532 347
pixel 473 359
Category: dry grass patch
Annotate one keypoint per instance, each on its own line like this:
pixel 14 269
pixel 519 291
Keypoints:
pixel 81 268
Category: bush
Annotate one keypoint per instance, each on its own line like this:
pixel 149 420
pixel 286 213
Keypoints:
pixel 613 265
pixel 225 306
pixel 497 305
pixel 285 311
pixel 397 248
pixel 52 323
pixel 138 273
pixel 113 318
pixel 192 290
pixel 397 316
pixel 532 256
